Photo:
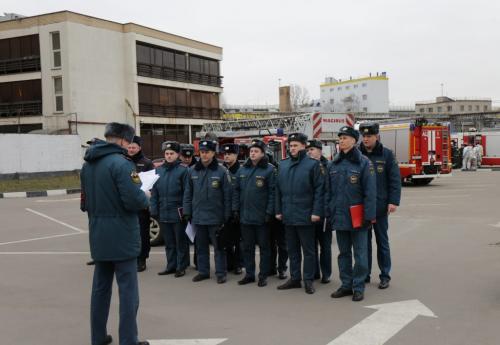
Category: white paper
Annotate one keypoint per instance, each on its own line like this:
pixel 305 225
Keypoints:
pixel 191 231
pixel 148 179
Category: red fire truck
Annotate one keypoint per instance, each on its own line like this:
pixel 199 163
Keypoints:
pixel 422 149
pixel 490 140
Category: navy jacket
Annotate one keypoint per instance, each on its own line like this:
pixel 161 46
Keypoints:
pixel 351 181
pixel 208 194
pixel 112 197
pixel 168 192
pixel 254 189
pixel 233 172
pixel 300 189
pixel 388 176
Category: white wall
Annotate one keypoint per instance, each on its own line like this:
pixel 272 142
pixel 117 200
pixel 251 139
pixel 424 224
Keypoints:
pixel 29 153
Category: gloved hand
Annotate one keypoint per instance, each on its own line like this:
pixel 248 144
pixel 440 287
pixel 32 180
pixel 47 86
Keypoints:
pixel 236 217
pixel 187 218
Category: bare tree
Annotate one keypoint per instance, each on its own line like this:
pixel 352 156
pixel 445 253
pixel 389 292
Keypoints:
pixel 299 97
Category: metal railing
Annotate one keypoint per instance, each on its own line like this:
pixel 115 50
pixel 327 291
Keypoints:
pixel 27 108
pixel 146 109
pixel 25 64
pixel 160 72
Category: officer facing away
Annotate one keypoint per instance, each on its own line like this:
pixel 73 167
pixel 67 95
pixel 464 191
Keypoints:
pixel 112 198
pixel 299 203
pixel 254 191
pixel 388 197
pixel 323 234
pixel 141 164
pixel 351 198
pixel 208 202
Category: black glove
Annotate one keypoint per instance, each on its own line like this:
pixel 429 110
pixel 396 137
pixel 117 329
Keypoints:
pixel 236 217
pixel 367 224
pixel 187 218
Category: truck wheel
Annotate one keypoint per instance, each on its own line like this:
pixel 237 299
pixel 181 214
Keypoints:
pixel 155 235
pixel 421 181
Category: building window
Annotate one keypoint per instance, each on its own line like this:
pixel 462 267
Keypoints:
pixel 477 107
pixel 462 108
pixel 469 107
pixel 56 49
pixel 363 85
pixel 430 110
pixel 449 108
pixel 439 109
pixel 422 110
pixel 365 97
pixel 58 92
pixel 331 100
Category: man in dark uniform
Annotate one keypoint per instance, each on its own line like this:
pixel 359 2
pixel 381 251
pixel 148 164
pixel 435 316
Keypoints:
pixel 232 232
pixel 208 203
pixel 300 204
pixel 187 155
pixel 388 198
pixel 141 164
pixel 254 190
pixel 112 199
pixel 351 206
pixel 323 233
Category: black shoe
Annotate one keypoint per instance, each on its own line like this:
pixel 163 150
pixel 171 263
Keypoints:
pixel 221 280
pixel 246 280
pixel 384 284
pixel 238 271
pixel 367 280
pixel 272 273
pixel 282 275
pixel 290 284
pixel 141 265
pixel 341 293
pixel 91 263
pixel 166 272
pixel 317 277
pixel 309 287
pixel 143 343
pixel 262 282
pixel 358 296
pixel 200 277
pixel 179 274
pixel 325 280
pixel 107 340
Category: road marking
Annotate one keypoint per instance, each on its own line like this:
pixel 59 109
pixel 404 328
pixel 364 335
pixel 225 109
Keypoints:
pixel 58 200
pixel 186 341
pixel 497 225
pixel 387 321
pixel 55 220
pixel 40 238
pixel 59 253
pixel 424 204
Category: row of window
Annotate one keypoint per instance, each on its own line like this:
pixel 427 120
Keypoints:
pixel 363 97
pixel 347 87
pixel 449 108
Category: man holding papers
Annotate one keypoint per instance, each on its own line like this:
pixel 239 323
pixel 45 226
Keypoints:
pixel 351 207
pixel 166 201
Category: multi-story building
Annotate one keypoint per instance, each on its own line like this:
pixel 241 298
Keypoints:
pixel 66 72
pixel 368 94
pixel 448 106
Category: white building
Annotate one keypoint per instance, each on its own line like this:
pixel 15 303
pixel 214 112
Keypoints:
pixel 66 72
pixel 365 94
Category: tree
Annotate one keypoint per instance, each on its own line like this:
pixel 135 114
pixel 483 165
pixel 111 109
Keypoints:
pixel 299 97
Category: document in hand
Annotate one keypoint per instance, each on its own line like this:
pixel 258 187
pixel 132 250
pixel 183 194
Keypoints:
pixel 357 215
pixel 191 231
pixel 148 179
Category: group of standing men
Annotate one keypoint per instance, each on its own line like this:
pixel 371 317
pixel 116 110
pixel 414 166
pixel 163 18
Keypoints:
pixel 306 195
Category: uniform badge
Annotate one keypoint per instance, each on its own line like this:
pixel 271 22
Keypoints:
pixel 135 177
pixel 354 179
pixel 215 184
pixel 380 169
pixel 259 182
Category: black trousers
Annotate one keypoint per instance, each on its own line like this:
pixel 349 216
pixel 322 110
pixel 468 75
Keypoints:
pixel 279 251
pixel 144 223
pixel 231 240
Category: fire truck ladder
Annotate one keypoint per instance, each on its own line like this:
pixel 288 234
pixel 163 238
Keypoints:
pixel 289 124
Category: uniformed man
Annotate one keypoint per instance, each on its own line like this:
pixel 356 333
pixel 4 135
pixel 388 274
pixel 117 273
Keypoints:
pixel 351 200
pixel 323 256
pixel 166 204
pixel 300 204
pixel 254 189
pixel 112 198
pixel 141 164
pixel 232 231
pixel 187 155
pixel 388 197
pixel 208 203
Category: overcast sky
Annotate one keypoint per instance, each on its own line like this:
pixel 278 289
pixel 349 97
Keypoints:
pixel 421 44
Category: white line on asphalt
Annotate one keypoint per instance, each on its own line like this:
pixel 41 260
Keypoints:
pixel 40 238
pixel 58 200
pixel 65 253
pixel 387 321
pixel 497 225
pixel 186 341
pixel 424 204
pixel 55 220
pixel 438 196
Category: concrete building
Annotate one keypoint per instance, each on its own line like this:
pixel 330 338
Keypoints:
pixel 66 72
pixel 447 105
pixel 368 94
